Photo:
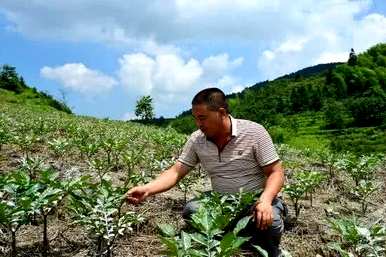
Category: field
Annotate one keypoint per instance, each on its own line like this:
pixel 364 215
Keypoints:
pixel 63 180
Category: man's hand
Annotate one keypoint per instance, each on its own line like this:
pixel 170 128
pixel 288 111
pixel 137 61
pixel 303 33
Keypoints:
pixel 163 182
pixel 137 194
pixel 263 215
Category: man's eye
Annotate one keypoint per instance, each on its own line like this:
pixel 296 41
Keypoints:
pixel 200 118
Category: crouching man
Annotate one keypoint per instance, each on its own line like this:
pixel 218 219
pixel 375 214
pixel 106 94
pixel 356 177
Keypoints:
pixel 236 154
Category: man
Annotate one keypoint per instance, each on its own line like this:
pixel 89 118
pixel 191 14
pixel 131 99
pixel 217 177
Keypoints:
pixel 236 154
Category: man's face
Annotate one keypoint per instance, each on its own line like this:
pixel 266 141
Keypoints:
pixel 209 122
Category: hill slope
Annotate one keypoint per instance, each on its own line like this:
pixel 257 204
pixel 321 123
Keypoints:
pixel 334 105
pixel 42 148
pixel 14 89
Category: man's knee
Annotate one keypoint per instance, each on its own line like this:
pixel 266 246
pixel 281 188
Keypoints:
pixel 193 205
pixel 190 208
pixel 277 226
pixel 270 238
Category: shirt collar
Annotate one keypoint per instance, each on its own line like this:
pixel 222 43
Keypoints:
pixel 233 126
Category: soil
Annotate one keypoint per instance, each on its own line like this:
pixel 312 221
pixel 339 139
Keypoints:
pixel 306 236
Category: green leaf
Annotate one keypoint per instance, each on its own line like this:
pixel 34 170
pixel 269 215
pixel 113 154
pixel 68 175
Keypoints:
pixel 167 230
pixel 186 240
pixel 201 219
pixel 241 224
pixel 227 242
pixel 261 250
pixel 198 238
pixel 171 244
pixel 239 241
pixel 197 253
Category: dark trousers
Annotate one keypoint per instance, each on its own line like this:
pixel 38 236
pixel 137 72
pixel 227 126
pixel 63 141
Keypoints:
pixel 268 239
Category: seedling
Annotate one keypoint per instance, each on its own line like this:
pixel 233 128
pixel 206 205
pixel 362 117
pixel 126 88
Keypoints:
pixel 363 191
pixel 355 239
pixel 99 210
pixel 216 233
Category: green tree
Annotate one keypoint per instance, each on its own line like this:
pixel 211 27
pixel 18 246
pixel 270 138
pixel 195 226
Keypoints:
pixel 9 79
pixel 340 85
pixel 144 108
pixel 368 111
pixel 184 125
pixel 334 114
pixel 353 59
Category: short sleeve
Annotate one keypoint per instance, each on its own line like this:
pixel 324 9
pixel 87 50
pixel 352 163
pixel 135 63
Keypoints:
pixel 264 151
pixel 189 156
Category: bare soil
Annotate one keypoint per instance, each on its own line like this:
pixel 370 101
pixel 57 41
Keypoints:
pixel 305 237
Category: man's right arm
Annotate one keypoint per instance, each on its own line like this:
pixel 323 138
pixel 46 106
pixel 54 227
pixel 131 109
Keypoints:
pixel 162 183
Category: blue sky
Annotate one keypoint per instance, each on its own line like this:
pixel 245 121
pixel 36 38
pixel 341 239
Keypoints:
pixel 103 55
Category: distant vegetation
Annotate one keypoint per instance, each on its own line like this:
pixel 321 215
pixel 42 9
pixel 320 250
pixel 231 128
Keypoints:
pixel 65 176
pixel 144 108
pixel 344 105
pixel 15 85
pixel 339 106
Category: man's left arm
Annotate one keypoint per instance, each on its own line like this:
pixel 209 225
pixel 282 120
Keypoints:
pixel 274 183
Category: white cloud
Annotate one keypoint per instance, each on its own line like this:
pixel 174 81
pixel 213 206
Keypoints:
pixel 237 88
pixel 369 31
pixel 292 45
pixel 166 73
pixel 328 57
pixel 169 39
pixel 268 55
pixel 168 78
pixel 173 21
pixel 230 84
pixel 278 29
pixel 288 36
pixel 172 80
pixel 136 72
pixel 327 36
pixel 173 74
pixel 78 77
pixel 217 65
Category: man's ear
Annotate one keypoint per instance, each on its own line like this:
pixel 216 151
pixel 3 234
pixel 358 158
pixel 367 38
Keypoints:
pixel 222 111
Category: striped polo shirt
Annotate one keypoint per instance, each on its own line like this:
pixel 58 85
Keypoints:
pixel 239 164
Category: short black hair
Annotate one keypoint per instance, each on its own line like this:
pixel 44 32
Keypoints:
pixel 213 97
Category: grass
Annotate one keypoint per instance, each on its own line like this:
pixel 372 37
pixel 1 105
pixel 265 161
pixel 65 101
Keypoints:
pixel 28 99
pixel 308 130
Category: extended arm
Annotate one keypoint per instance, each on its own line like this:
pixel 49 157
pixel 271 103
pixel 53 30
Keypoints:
pixel 162 183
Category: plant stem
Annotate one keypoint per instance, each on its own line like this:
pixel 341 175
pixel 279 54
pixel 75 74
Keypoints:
pixel 45 238
pixel 99 246
pixel 297 210
pixel 108 157
pixel 13 247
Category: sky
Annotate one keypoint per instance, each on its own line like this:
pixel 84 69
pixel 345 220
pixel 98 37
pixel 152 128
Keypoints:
pixel 101 56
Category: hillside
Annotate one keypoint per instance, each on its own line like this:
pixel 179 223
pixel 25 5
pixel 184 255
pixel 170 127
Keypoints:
pixel 65 177
pixel 338 106
pixel 14 89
